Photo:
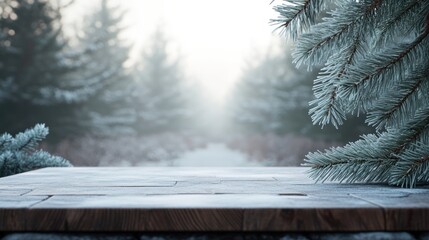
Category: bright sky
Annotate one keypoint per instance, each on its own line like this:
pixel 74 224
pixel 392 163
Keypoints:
pixel 215 38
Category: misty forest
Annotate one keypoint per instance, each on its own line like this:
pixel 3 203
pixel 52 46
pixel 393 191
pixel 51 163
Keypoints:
pixel 108 99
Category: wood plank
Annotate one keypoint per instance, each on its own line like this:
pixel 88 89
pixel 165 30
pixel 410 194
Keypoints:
pixel 120 220
pixel 82 220
pixel 91 190
pixel 234 187
pixel 20 201
pixel 13 219
pixel 225 212
pixel 203 199
pixel 203 213
pixel 314 219
pixel 329 189
pixel 195 219
pixel 14 191
pixel 165 172
pixel 193 201
pixel 237 187
pixel 12 211
pixel 407 209
pixel 34 181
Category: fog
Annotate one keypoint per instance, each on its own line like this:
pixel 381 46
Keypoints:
pixel 213 38
pixel 158 83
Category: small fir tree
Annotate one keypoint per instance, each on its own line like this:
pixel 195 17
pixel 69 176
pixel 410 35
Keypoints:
pixel 102 70
pixel 18 154
pixel 261 96
pixel 376 63
pixel 160 95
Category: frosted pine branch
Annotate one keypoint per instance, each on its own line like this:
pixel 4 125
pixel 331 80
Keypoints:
pixel 376 54
pixel 297 15
pixel 18 154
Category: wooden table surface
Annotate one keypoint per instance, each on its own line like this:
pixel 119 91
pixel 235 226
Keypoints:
pixel 203 199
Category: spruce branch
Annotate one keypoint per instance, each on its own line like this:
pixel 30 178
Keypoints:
pixel 373 158
pixel 400 12
pixel 412 168
pixel 394 107
pixel 334 32
pixel 297 15
pixel 29 139
pixel 381 71
pixel 5 162
pixel 5 141
pixel 38 159
pixel 413 131
pixel 17 154
pixel 360 161
pixel 327 108
pixel 376 54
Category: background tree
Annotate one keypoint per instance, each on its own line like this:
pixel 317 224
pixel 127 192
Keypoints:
pixel 102 71
pixel 260 100
pixel 160 96
pixel 33 67
pixel 376 63
pixel 272 97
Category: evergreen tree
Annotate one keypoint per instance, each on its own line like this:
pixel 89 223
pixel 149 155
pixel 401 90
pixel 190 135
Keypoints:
pixel 272 97
pixel 261 97
pixel 33 66
pixel 376 63
pixel 103 54
pixel 18 154
pixel 160 96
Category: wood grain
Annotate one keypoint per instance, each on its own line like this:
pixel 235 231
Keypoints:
pixel 202 199
pixel 406 210
pixel 314 219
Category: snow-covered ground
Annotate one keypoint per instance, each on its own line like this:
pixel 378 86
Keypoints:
pixel 215 154
pixel 173 149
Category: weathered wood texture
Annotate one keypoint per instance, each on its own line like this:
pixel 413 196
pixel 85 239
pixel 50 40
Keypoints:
pixel 202 199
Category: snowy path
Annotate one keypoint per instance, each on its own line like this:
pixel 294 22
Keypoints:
pixel 215 154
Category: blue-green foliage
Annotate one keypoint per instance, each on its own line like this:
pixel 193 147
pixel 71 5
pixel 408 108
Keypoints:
pixel 376 56
pixel 18 154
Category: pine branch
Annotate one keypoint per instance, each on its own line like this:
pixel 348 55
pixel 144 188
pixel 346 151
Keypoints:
pixel 413 167
pixel 394 24
pixel 5 142
pixel 333 33
pixel 16 154
pixel 413 131
pixel 29 139
pixel 394 107
pixel 5 160
pixel 380 71
pixel 365 160
pixel 297 15
pixel 372 158
pixel 18 162
pixel 41 159
pixel 327 108
pixel 390 84
pixel 357 170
